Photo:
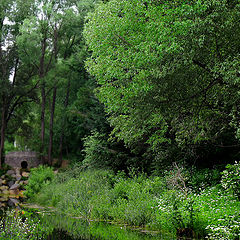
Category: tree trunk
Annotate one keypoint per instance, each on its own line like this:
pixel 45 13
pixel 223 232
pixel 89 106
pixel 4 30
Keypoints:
pixel 63 124
pixel 3 128
pixel 52 110
pixel 43 106
pixel 43 96
pixel 51 126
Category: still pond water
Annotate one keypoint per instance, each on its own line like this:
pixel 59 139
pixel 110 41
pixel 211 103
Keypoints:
pixel 60 227
pixel 82 230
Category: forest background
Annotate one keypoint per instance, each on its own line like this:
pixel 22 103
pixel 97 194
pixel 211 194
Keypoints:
pixel 164 83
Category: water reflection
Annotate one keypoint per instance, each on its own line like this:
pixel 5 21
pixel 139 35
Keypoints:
pixel 52 226
pixel 60 234
pixel 77 229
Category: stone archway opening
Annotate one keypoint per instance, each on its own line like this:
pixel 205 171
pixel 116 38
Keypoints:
pixel 24 164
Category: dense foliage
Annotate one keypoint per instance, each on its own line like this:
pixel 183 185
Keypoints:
pixel 40 177
pixel 168 72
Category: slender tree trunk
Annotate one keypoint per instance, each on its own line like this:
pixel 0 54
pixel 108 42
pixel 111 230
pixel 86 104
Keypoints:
pixel 61 148
pixel 43 106
pixel 63 124
pixel 51 126
pixel 3 128
pixel 65 106
pixel 43 96
pixel 52 110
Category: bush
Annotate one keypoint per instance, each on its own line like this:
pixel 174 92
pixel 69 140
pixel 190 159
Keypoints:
pixel 231 179
pixel 39 177
pixel 9 147
pixel 100 153
pixel 132 202
pixel 97 154
pixel 212 213
pixel 78 191
pixel 203 178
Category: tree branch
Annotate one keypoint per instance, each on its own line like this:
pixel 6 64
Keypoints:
pixel 15 72
pixel 17 103
pixel 124 40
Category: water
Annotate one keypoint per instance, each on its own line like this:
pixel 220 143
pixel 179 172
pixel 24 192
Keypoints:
pixel 54 226
pixel 78 229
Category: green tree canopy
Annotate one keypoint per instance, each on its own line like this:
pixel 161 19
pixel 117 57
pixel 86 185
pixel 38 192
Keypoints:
pixel 168 71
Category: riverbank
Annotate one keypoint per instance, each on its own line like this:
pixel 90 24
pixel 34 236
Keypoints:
pixel 190 203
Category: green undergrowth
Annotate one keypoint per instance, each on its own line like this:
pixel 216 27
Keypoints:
pixel 24 225
pixel 183 202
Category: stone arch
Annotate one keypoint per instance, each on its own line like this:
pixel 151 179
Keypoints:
pixel 16 159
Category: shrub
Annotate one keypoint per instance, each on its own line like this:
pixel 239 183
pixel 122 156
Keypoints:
pixel 231 178
pixel 96 150
pixel 9 147
pixel 39 177
pixel 132 202
pixel 170 212
pixel 100 153
pixel 203 178
pixel 212 213
pixel 78 191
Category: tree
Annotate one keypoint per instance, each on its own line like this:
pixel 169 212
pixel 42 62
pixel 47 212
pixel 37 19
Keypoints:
pixel 15 79
pixel 42 40
pixel 49 40
pixel 168 71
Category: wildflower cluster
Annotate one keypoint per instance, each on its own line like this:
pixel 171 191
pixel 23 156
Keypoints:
pixel 15 225
pixel 227 228
pixel 211 211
